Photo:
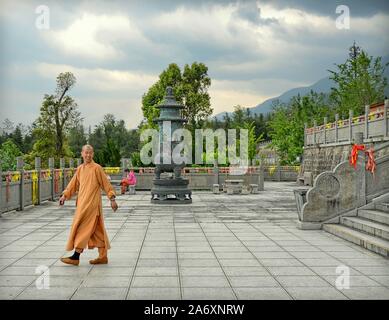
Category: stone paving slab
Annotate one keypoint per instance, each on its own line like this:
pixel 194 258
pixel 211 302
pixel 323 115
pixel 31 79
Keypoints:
pixel 219 247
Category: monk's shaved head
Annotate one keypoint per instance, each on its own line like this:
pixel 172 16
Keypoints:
pixel 87 153
pixel 87 147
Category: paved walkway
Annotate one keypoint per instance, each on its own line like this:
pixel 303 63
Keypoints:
pixel 219 247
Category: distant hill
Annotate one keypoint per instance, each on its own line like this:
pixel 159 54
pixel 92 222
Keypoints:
pixel 324 85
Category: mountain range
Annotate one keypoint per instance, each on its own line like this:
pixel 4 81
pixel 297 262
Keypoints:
pixel 323 85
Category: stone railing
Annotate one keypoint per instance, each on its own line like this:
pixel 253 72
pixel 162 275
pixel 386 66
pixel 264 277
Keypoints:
pixel 343 190
pixel 373 125
pixel 22 188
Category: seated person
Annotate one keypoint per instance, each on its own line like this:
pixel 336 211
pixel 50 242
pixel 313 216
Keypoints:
pixel 128 180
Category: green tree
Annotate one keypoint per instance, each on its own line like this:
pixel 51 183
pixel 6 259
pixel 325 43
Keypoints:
pixel 58 113
pixel 287 124
pixel 253 139
pixel 190 88
pixel 359 81
pixel 154 96
pixel 112 141
pixel 77 139
pixel 8 153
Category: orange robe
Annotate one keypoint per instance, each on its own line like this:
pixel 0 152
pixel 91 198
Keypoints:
pixel 88 228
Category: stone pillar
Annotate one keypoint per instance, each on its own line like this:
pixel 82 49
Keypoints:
pixel 122 166
pixel 314 132
pixel 350 125
pixel 279 170
pixel 358 137
pixel 62 167
pixel 361 180
pixel 367 110
pixel 1 188
pixel 305 134
pixel 261 178
pixel 38 171
pixel 52 173
pixel 386 107
pixel 215 172
pixel 325 130
pixel 336 127
pixel 19 167
pixel 71 163
pixel 78 162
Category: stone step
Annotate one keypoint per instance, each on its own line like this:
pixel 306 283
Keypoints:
pixel 368 226
pixel 374 215
pixel 362 239
pixel 383 207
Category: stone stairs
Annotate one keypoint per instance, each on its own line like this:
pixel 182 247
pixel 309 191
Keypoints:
pixel 369 229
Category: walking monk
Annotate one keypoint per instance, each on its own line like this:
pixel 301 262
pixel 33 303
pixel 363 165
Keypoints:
pixel 88 223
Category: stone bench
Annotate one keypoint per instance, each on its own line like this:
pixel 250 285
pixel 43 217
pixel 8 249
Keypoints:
pixel 131 189
pixel 253 188
pixel 234 186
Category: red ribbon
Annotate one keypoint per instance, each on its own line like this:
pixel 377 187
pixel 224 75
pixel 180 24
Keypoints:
pixel 371 165
pixel 354 154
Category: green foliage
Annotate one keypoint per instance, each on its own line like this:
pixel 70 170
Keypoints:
pixel 112 141
pixel 359 82
pixel 58 114
pixel 253 139
pixel 77 139
pixel 135 159
pixel 287 124
pixel 8 153
pixel 190 88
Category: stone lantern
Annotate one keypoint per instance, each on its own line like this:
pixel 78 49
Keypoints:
pixel 171 188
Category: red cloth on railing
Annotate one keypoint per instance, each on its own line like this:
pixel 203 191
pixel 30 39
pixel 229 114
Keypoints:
pixel 371 165
pixel 354 154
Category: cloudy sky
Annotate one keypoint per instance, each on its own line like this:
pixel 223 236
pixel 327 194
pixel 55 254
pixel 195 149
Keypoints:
pixel 254 49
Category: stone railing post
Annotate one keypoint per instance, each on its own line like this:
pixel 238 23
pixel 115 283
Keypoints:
pixel 358 137
pixel 62 167
pixel 386 107
pixel 78 162
pixel 20 168
pixel 336 127
pixel 71 163
pixel 215 172
pixel 314 132
pixel 325 130
pixel 261 178
pixel 279 171
pixel 122 166
pixel 305 134
pixel 38 168
pixel 350 125
pixel 1 188
pixel 367 110
pixel 361 181
pixel 52 173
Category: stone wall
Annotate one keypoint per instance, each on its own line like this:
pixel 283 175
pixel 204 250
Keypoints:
pixel 325 158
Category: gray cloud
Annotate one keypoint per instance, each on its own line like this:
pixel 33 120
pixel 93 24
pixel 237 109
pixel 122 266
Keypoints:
pixel 254 50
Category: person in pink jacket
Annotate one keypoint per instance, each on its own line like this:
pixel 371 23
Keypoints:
pixel 128 180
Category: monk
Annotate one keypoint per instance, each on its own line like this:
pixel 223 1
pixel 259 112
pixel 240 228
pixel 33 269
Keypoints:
pixel 88 223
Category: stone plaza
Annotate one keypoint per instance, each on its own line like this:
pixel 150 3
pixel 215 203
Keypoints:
pixel 219 247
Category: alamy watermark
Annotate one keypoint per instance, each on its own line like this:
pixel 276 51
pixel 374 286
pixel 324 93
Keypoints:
pixel 343 20
pixel 166 146
pixel 42 21
pixel 343 280
pixel 43 281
